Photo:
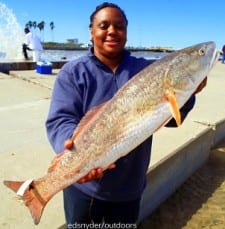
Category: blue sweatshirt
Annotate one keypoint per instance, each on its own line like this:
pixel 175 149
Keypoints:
pixel 85 83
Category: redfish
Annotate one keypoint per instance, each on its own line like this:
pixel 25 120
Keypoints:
pixel 113 129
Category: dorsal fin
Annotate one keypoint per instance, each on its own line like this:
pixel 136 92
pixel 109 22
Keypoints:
pixel 55 161
pixel 88 119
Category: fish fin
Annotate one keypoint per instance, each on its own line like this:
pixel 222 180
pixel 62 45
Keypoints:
pixel 14 185
pixel 88 119
pixel 31 199
pixel 171 98
pixel 55 161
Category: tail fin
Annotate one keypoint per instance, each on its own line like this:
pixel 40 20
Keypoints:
pixel 31 199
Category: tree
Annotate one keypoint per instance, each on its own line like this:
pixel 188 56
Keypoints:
pixel 29 24
pixel 41 27
pixel 34 25
pixel 52 26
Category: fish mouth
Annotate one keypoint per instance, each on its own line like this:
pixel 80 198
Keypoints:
pixel 215 58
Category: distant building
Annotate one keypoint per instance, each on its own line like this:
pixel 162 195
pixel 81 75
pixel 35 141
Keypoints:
pixel 72 41
pixel 85 45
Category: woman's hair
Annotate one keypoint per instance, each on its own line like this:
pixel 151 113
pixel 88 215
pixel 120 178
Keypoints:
pixel 104 5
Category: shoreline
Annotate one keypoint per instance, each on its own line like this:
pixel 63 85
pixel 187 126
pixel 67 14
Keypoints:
pixel 71 46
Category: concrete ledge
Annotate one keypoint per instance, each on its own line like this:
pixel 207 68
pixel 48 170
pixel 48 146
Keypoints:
pixel 219 130
pixel 5 67
pixel 167 175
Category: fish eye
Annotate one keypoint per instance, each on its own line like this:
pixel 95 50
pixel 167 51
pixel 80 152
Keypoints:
pixel 201 52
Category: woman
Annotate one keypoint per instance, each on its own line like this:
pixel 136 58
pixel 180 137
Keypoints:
pixel 81 85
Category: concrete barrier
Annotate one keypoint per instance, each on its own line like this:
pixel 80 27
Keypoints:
pixel 219 132
pixel 5 67
pixel 170 173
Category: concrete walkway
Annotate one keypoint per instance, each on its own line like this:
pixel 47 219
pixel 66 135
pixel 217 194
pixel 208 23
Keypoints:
pixel 26 153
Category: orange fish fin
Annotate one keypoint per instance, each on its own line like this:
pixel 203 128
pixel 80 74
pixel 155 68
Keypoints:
pixel 31 199
pixel 55 161
pixel 88 119
pixel 171 98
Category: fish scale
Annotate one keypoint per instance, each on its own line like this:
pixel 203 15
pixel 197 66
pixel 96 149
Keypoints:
pixel 112 130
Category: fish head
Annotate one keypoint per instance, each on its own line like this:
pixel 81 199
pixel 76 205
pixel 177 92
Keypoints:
pixel 203 57
pixel 186 68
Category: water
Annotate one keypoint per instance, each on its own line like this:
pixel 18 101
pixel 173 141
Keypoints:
pixel 12 38
pixel 11 34
pixel 199 202
pixel 56 55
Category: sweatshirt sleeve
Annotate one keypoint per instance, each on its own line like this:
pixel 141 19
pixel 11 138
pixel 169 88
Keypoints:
pixel 65 109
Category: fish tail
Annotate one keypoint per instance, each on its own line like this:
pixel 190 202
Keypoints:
pixel 31 198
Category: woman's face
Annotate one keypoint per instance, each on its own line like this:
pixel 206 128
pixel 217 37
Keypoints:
pixel 108 33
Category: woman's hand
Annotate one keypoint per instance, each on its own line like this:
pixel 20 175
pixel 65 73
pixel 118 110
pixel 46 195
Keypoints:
pixel 94 173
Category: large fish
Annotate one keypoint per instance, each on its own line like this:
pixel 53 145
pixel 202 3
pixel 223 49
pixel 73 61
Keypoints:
pixel 113 129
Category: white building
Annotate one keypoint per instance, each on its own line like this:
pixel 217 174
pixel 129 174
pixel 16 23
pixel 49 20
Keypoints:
pixel 72 41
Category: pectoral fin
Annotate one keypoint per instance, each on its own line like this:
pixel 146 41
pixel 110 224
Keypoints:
pixel 174 107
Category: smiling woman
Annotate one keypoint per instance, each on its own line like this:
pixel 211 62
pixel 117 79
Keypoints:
pixel 80 87
pixel 94 79
pixel 108 30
